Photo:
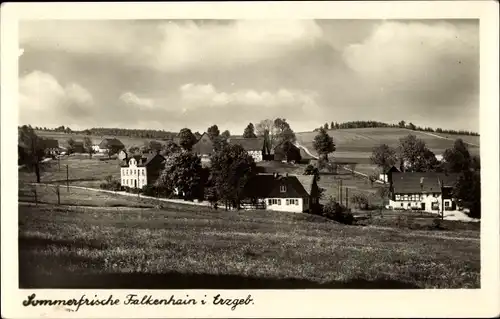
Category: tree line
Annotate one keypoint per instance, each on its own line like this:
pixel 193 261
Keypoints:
pixel 402 124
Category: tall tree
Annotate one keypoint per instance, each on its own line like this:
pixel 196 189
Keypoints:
pixel 169 148
pixel 457 159
pixel 384 156
pixel 182 172
pixel 87 144
pixel 231 169
pixel 402 124
pixel 71 145
pixel 323 144
pixel 213 132
pixel 266 127
pixel 226 134
pixel 249 131
pixel 311 170
pixel 33 150
pixel 415 154
pixel 283 132
pixel 332 126
pixel 187 139
pixel 325 126
pixel 412 126
pixel 468 192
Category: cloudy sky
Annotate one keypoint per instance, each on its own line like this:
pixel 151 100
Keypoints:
pixel 172 74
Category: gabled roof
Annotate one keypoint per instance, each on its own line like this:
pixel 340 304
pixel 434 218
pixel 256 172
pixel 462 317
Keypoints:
pixel 204 145
pixel 426 182
pixel 50 143
pixel 142 160
pixel 110 142
pixel 392 169
pixel 249 144
pixel 268 186
pixel 307 182
pixel 280 145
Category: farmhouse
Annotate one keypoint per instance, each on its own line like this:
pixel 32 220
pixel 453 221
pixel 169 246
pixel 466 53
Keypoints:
pixel 140 170
pixel 288 193
pixel 50 146
pixel 287 152
pixel 255 147
pixel 112 145
pixel 429 191
pixel 385 176
pixel 204 148
pixel 78 147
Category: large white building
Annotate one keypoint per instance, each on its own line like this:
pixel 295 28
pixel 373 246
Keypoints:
pixel 428 191
pixel 138 171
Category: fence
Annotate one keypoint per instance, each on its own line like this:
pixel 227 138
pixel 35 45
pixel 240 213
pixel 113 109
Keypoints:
pixel 41 193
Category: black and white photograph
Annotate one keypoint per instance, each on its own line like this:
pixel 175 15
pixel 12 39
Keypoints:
pixel 249 154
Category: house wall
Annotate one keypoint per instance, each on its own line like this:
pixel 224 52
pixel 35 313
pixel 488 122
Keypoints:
pixel 427 199
pixel 295 205
pixel 257 155
pixel 134 176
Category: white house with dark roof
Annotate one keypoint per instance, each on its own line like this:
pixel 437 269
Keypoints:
pixel 427 191
pixel 287 193
pixel 255 147
pixel 140 170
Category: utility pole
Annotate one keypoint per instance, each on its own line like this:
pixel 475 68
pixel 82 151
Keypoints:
pixel 346 197
pixel 341 191
pixel 67 178
pixel 138 182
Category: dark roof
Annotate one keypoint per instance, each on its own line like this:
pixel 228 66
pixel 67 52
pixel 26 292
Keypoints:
pixel 268 186
pixel 428 182
pixel 142 160
pixel 110 142
pixel 249 144
pixel 392 169
pixel 282 144
pixel 50 143
pixel 204 145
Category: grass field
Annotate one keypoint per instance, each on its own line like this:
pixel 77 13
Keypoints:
pixel 82 171
pixel 357 144
pixel 191 247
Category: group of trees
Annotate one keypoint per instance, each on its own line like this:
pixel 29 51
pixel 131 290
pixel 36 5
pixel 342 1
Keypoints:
pixel 275 131
pixel 402 124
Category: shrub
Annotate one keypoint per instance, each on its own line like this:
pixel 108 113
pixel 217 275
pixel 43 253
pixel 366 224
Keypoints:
pixel 360 200
pixel 111 184
pixel 333 210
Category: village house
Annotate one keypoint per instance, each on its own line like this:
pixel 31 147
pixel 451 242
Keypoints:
pixel 140 170
pixel 287 152
pixel 110 145
pixel 51 146
pixel 255 147
pixel 287 193
pixel 427 191
pixel 78 147
pixel 386 175
pixel 204 148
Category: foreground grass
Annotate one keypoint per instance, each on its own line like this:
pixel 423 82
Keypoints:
pixel 193 247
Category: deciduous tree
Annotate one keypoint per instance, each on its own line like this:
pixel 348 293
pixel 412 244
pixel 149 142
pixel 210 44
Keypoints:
pixel 384 156
pixel 323 144
pixel 32 150
pixel 213 132
pixel 457 159
pixel 467 191
pixel 249 131
pixel 187 139
pixel 87 144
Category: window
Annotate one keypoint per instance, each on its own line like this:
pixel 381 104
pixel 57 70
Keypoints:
pixel 296 202
pixel 401 204
pixel 306 200
pixel 447 204
pixel 405 197
pixel 279 201
pixel 288 202
pixel 143 171
pixel 409 204
pixel 269 201
pixel 123 182
pixel 282 188
pixel 398 197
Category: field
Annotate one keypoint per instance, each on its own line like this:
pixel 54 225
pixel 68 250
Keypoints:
pixel 82 171
pixel 357 144
pixel 63 138
pixel 113 244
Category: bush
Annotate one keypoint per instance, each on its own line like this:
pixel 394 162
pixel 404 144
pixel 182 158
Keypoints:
pixel 111 184
pixel 360 200
pixel 335 211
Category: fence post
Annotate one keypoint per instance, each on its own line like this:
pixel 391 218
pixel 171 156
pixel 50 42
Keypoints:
pixel 58 195
pixel 347 197
pixel 36 197
pixel 67 178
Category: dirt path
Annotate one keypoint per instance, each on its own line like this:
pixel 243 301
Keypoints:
pixel 444 138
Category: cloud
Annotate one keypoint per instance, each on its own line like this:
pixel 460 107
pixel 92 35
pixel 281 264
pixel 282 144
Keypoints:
pixel 175 45
pixel 133 100
pixel 44 101
pixel 418 61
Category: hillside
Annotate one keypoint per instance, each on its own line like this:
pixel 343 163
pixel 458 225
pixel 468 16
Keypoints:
pixel 358 143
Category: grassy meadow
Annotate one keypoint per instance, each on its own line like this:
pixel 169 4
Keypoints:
pixel 357 144
pixel 179 247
